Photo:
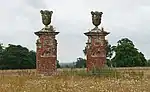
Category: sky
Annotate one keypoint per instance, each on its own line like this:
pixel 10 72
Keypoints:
pixel 19 19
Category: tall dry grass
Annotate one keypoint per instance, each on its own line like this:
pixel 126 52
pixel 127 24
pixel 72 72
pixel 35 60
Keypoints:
pixel 71 80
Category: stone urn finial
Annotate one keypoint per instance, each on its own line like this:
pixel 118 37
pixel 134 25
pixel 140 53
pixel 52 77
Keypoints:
pixel 96 18
pixel 46 17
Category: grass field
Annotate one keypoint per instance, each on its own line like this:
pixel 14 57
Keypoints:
pixel 77 80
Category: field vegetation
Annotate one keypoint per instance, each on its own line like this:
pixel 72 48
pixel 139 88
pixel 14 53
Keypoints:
pixel 77 80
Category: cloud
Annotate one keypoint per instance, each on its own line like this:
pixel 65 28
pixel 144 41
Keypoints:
pixel 38 4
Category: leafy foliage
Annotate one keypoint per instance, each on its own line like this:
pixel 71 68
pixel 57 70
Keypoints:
pixel 109 53
pixel 126 55
pixel 58 65
pixel 148 62
pixel 17 57
pixel 1 52
pixel 80 63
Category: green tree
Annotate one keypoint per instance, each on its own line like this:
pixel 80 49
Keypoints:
pixel 85 51
pixel 80 63
pixel 126 55
pixel 1 51
pixel 32 56
pixel 17 57
pixel 1 47
pixel 1 54
pixel 109 53
pixel 148 62
pixel 58 65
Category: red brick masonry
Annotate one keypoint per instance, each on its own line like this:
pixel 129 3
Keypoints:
pixel 96 49
pixel 46 52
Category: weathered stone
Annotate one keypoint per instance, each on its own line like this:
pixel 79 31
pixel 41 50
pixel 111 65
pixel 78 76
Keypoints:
pixel 46 17
pixel 46 55
pixel 96 18
pixel 46 52
pixel 96 45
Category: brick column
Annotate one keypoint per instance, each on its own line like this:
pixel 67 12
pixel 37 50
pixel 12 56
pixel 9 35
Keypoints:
pixel 46 55
pixel 96 49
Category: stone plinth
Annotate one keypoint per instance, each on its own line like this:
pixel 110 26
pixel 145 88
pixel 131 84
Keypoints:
pixel 96 49
pixel 46 52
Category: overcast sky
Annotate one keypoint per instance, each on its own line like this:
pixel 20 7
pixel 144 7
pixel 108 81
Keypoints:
pixel 19 19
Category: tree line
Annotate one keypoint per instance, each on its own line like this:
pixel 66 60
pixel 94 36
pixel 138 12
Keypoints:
pixel 16 57
pixel 124 54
